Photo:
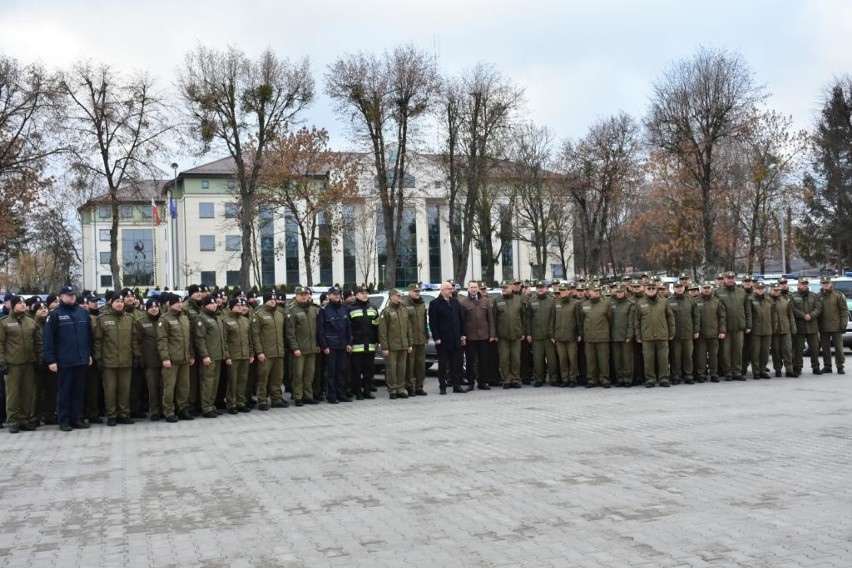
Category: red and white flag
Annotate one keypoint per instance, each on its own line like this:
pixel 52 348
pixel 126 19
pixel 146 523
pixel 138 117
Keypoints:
pixel 155 213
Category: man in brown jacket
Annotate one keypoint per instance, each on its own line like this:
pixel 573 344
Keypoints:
pixel 478 330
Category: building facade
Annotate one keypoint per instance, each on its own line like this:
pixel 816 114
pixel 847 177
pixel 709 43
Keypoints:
pixel 198 240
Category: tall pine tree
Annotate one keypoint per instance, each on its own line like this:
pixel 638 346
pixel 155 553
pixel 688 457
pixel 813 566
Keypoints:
pixel 825 236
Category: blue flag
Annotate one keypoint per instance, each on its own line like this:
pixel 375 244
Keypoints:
pixel 173 208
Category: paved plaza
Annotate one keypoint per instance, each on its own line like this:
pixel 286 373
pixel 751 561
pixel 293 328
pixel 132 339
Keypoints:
pixel 753 474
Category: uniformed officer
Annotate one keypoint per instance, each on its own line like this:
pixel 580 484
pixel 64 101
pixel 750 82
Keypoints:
pixel 477 331
pixel 654 327
pixel 782 336
pixel 621 336
pixel 192 308
pixel 238 337
pixel 738 320
pixel 138 387
pixel 177 353
pixel 268 341
pixel 211 348
pixel 301 329
pixel 364 321
pixel 415 369
pixel 395 337
pixel 20 351
pixel 509 324
pixel 116 346
pixel 713 318
pixel 45 380
pixel 335 340
pixel 763 321
pixel 595 322
pixel 832 324
pixel 540 318
pixel 94 376
pixel 687 327
pixel 807 308
pixel 146 327
pixel 566 332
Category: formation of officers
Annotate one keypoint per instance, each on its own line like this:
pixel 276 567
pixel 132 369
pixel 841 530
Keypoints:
pixel 71 362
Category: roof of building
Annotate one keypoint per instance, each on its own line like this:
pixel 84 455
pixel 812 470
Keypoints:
pixel 142 191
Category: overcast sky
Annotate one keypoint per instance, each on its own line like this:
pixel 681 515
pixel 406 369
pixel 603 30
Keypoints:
pixel 577 60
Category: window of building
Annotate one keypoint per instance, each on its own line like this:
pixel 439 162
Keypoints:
pixel 208 278
pixel 232 210
pixel 291 250
pixel 433 220
pixel 104 211
pixel 557 271
pixel 205 184
pixel 508 257
pixel 406 260
pixel 325 256
pixel 232 278
pixel 232 243
pixel 103 235
pixel 349 261
pixel 145 211
pixel 205 210
pixel 407 180
pixel 266 226
pixel 126 212
pixel 208 242
pixel 104 257
pixel 106 280
pixel 137 257
pixel 231 184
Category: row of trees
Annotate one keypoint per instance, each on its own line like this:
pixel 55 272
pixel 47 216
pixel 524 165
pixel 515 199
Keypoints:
pixel 709 178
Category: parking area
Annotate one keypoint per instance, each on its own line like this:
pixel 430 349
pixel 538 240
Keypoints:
pixel 752 474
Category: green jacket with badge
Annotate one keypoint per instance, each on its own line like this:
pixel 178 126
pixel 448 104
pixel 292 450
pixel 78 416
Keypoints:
pixel 20 340
pixel 806 303
pixel 174 338
pixel 417 315
pixel 210 338
pixel 394 328
pixel 540 316
pixel 835 313
pixel 238 336
pixel 713 316
pixel 595 320
pixel 301 327
pixel 509 316
pixel 267 332
pixel 786 322
pixel 737 308
pixel 687 316
pixel 566 319
pixel 116 340
pixel 763 315
pixel 146 328
pixel 622 319
pixel 654 319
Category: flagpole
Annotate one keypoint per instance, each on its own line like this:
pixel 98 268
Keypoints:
pixel 169 196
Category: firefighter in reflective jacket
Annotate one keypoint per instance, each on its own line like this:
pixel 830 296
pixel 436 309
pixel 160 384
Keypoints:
pixel 364 319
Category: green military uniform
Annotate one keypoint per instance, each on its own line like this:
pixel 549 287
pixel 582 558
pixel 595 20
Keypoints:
pixel 267 328
pixel 713 318
pixel 174 344
pixel 832 324
pixel 116 345
pixel 763 321
pixel 654 326
pixel 509 314
pixel 782 335
pixel 540 315
pixel 395 337
pixel 738 319
pixel 137 374
pixel 621 339
pixel 301 329
pixel 94 382
pixel 210 343
pixel 687 325
pixel 807 308
pixel 595 321
pixel 566 331
pixel 20 351
pixel 238 335
pixel 192 308
pixel 415 371
pixel 146 327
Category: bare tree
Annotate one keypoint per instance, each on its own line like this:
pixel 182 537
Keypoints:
pixel 601 170
pixel 477 109
pixel 310 183
pixel 51 258
pixel 384 97
pixel 241 105
pixel 698 103
pixel 115 128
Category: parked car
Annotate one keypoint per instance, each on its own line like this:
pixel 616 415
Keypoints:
pixel 380 300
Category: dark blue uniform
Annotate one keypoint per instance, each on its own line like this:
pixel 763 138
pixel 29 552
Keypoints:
pixel 68 343
pixel 335 334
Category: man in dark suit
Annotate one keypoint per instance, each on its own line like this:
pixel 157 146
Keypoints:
pixel 446 326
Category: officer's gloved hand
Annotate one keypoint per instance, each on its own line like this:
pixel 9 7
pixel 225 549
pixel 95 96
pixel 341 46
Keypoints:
pixel 100 365
pixel 138 363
